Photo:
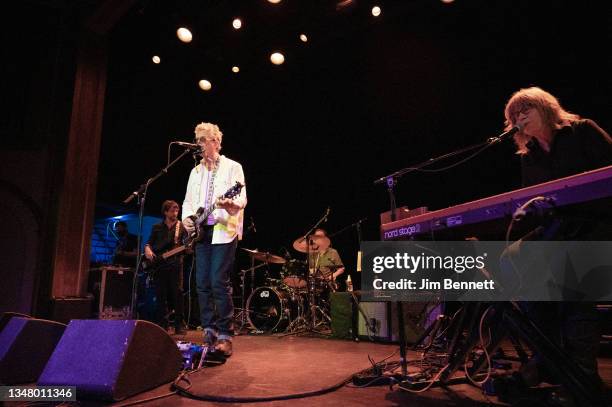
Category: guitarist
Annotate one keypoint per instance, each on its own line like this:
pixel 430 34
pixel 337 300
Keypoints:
pixel 220 232
pixel 168 274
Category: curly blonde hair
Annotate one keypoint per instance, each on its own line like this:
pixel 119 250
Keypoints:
pixel 553 115
pixel 207 129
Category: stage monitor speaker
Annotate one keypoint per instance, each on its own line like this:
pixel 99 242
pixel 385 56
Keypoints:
pixel 25 347
pixel 112 359
pixel 342 316
pixel 6 317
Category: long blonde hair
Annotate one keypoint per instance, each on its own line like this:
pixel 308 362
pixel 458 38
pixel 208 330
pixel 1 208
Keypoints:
pixel 553 115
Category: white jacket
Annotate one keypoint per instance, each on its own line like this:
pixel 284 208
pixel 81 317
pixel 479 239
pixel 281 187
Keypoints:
pixel 227 226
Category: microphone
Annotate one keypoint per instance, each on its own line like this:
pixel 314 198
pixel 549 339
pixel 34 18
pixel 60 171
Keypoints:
pixel 190 146
pixel 505 134
pixel 327 211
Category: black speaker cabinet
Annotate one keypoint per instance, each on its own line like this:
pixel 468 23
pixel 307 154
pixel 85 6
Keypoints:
pixel 382 316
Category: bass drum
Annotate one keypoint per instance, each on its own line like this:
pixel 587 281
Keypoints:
pixel 271 309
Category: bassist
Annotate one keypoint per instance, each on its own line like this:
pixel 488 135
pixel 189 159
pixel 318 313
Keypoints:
pixel 167 272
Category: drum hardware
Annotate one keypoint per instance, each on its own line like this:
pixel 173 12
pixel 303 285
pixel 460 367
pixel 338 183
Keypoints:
pixel 265 256
pixel 323 284
pixel 266 259
pixel 271 309
pixel 294 274
pixel 309 243
pixel 283 303
pixel 242 312
pixel 316 242
pixel 312 309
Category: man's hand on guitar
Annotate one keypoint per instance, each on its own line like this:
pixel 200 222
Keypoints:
pixel 229 205
pixel 149 253
pixel 189 225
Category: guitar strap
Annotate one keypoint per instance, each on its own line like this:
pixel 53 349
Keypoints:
pixel 210 190
pixel 177 232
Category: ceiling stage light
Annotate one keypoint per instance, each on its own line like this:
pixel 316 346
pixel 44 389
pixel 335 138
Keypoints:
pixel 277 58
pixel 184 34
pixel 303 38
pixel 237 23
pixel 156 59
pixel 376 11
pixel 204 85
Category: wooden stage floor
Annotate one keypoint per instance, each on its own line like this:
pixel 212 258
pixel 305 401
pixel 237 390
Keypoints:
pixel 267 365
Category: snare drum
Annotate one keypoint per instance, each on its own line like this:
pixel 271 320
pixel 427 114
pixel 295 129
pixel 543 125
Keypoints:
pixel 272 309
pixel 294 274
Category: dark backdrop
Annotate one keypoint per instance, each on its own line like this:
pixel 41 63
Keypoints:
pixel 363 98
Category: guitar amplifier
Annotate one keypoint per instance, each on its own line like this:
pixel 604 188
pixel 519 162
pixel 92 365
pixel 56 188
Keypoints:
pixel 382 317
pixel 112 290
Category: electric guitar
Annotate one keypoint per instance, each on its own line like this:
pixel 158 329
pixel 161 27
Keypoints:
pixel 201 215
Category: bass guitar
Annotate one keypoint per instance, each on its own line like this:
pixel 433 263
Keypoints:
pixel 149 265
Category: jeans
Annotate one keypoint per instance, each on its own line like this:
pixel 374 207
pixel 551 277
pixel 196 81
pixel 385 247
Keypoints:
pixel 214 263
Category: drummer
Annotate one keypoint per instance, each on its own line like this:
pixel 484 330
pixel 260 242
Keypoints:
pixel 324 259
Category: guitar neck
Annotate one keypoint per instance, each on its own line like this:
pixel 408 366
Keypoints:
pixel 174 251
pixel 205 214
pixel 230 194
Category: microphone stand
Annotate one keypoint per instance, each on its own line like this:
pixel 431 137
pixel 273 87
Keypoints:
pixel 311 288
pixel 355 224
pixel 485 144
pixel 141 195
pixel 391 181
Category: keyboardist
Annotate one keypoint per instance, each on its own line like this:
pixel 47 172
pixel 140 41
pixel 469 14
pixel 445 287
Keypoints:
pixel 555 143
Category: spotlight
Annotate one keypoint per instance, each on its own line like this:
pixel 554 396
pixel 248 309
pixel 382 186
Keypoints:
pixel 303 38
pixel 235 69
pixel 447 1
pixel 274 1
pixel 204 85
pixel 237 23
pixel 277 58
pixel 156 59
pixel 344 5
pixel 376 11
pixel 184 34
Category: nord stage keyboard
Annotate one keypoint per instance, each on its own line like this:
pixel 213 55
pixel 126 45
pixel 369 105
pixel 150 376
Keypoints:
pixel 588 193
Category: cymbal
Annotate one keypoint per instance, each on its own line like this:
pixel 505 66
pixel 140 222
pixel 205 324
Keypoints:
pixel 265 256
pixel 316 242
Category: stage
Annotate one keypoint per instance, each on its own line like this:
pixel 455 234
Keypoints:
pixel 269 365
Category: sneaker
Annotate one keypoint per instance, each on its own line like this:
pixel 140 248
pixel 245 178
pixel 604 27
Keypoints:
pixel 225 346
pixel 210 339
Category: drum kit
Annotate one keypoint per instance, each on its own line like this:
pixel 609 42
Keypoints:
pixel 297 301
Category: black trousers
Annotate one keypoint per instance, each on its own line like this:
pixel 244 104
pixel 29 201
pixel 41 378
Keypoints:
pixel 168 288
